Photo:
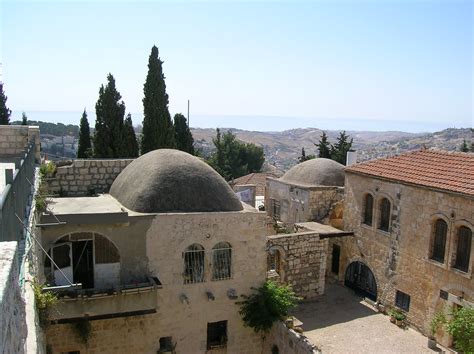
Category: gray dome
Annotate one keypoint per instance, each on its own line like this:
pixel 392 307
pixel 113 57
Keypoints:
pixel 319 172
pixel 168 180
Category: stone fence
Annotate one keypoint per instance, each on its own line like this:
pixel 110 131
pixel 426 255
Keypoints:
pixel 287 341
pixel 14 140
pixel 86 177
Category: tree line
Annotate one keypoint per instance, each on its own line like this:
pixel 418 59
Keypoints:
pixel 337 151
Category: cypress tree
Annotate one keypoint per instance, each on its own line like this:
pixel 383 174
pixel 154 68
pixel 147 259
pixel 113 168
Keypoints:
pixel 4 111
pixel 130 144
pixel 110 112
pixel 24 119
pixel 341 147
pixel 184 138
pixel 324 147
pixel 157 126
pixel 84 148
pixel 464 147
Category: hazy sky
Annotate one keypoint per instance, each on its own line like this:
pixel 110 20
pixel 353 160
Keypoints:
pixel 402 61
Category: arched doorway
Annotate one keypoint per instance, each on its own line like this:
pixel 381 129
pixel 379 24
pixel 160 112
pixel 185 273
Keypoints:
pixel 360 278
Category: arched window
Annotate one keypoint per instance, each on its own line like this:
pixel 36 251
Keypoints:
pixel 439 240
pixel 384 224
pixel 368 210
pixel 463 249
pixel 194 264
pixel 273 261
pixel 221 261
pixel 275 349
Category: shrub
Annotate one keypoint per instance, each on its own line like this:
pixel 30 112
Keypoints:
pixel 461 327
pixel 45 302
pixel 48 169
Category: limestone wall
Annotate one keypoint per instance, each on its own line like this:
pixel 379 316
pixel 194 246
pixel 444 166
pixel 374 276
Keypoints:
pixel 15 138
pixel 400 258
pixel 303 261
pixel 12 308
pixel 86 177
pixel 288 341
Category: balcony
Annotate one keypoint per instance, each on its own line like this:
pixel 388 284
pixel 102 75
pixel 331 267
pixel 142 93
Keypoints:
pixel 76 304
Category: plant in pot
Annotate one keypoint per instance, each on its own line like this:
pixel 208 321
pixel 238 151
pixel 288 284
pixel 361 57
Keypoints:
pixel 391 313
pixel 437 321
pixel 399 318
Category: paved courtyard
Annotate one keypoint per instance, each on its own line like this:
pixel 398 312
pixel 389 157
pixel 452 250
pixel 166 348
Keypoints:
pixel 340 322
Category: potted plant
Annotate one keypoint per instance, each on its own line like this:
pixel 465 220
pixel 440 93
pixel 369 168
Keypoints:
pixel 391 313
pixel 438 320
pixel 399 317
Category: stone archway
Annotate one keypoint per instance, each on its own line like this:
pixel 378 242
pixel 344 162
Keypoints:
pixel 360 278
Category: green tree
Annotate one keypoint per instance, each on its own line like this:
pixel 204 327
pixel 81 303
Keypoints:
pixel 4 111
pixel 305 157
pixel 324 147
pixel 464 147
pixel 183 137
pixel 24 119
pixel 110 112
pixel 266 305
pixel 84 149
pixel 252 156
pixel 130 144
pixel 341 147
pixel 461 327
pixel 157 126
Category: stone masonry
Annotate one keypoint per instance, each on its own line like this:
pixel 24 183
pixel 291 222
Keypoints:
pixel 15 138
pixel 86 177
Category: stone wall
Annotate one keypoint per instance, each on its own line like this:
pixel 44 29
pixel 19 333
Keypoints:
pixel 12 308
pixel 15 138
pixel 86 177
pixel 287 341
pixel 400 258
pixel 302 261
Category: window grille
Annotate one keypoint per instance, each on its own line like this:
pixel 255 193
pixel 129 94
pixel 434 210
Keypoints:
pixel 216 335
pixel 369 206
pixel 194 264
pixel 105 251
pixel 439 242
pixel 402 300
pixel 384 215
pixel 463 250
pixel 276 209
pixel 221 261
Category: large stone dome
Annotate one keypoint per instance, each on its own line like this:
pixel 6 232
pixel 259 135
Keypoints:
pixel 168 180
pixel 319 172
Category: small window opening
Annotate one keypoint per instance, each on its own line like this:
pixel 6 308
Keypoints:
pixel 402 300
pixel 384 215
pixel 369 207
pixel 463 249
pixel 216 334
pixel 194 264
pixel 166 345
pixel 273 261
pixel 221 261
pixel 275 349
pixel 439 241
pixel 276 209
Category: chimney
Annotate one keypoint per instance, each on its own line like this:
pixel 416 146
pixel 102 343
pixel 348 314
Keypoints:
pixel 351 157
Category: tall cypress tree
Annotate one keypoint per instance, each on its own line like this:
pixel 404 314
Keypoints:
pixel 84 148
pixel 184 138
pixel 341 147
pixel 130 144
pixel 110 112
pixel 158 131
pixel 324 147
pixel 4 111
pixel 464 147
pixel 24 119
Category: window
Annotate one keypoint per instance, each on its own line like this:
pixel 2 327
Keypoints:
pixel 221 261
pixel 402 300
pixel 216 334
pixel 273 261
pixel 463 250
pixel 166 344
pixel 368 210
pixel 275 349
pixel 439 241
pixel 194 264
pixel 384 214
pixel 276 209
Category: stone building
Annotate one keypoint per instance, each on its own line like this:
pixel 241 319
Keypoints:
pixel 306 192
pixel 413 218
pixel 162 260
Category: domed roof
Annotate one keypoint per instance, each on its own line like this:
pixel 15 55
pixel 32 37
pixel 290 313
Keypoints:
pixel 319 171
pixel 168 180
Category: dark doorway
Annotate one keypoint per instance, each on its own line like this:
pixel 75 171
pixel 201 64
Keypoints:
pixel 360 278
pixel 83 261
pixel 336 253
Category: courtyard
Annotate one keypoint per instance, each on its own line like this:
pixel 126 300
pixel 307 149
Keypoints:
pixel 341 322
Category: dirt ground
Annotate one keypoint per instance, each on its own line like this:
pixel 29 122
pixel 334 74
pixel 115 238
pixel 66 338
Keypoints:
pixel 340 322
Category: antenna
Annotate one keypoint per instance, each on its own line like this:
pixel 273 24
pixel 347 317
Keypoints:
pixel 188 113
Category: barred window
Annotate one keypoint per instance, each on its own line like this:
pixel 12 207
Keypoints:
pixel 221 261
pixel 276 209
pixel 194 264
pixel 105 251
pixel 384 215
pixel 368 210
pixel 463 250
pixel 216 335
pixel 439 240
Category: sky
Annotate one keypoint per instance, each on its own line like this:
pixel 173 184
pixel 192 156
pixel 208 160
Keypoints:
pixel 270 65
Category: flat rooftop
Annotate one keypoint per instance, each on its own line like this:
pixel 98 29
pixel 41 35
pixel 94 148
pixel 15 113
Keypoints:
pixel 324 231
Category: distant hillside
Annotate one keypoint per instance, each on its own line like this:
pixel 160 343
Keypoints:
pixel 56 129
pixel 282 149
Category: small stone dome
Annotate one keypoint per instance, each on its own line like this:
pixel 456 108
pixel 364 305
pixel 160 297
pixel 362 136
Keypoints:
pixel 319 172
pixel 168 180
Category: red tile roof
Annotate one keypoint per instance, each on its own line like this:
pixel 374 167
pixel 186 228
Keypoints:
pixel 259 179
pixel 449 171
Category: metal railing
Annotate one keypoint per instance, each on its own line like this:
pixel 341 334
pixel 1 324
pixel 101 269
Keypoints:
pixel 16 197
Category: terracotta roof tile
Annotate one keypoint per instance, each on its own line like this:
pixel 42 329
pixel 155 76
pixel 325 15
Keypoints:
pixel 259 179
pixel 449 171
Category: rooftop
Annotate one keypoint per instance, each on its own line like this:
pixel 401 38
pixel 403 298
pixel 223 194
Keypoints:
pixel 443 170
pixel 258 179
